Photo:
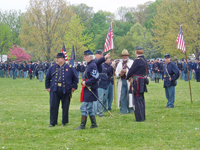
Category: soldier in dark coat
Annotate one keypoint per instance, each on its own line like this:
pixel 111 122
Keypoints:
pixel 1 69
pixel 61 81
pixel 197 69
pixel 137 71
pixel 99 59
pixel 82 70
pixel 171 74
pixel 156 71
pixel 46 67
pixel 91 80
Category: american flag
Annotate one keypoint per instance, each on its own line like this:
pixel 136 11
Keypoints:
pixel 180 41
pixel 64 52
pixel 109 44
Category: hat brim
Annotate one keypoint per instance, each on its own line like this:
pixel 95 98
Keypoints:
pixel 125 55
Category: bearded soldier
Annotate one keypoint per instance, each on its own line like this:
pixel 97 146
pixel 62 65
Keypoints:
pixel 124 100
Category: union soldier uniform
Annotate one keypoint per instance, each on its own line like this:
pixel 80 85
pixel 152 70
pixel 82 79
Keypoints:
pixel 20 66
pixel 25 70
pixel 171 74
pixel 190 67
pixel 102 84
pixel 91 80
pixel 6 69
pixel 61 84
pixel 13 68
pixel 197 70
pixel 137 71
pixel 46 67
pixel 40 71
pixel 156 72
pixel 109 90
pixel 1 69
pixel 82 70
pixel 185 73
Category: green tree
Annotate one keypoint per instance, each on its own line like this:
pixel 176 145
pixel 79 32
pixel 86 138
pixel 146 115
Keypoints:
pixel 85 13
pixel 13 19
pixel 5 38
pixel 74 35
pixel 109 16
pixel 170 15
pixel 43 27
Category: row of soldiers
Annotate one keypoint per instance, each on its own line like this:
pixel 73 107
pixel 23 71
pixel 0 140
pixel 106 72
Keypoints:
pixel 24 69
pixel 156 69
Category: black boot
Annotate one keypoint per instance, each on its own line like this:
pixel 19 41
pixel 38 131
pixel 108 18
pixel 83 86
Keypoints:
pixel 93 122
pixel 83 123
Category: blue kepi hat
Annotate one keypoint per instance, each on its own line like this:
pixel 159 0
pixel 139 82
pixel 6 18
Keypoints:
pixel 60 55
pixel 88 52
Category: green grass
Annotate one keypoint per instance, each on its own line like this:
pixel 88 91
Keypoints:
pixel 24 120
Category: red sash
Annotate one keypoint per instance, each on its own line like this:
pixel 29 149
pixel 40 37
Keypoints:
pixel 137 81
pixel 82 91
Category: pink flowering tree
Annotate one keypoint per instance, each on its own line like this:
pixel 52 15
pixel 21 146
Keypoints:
pixel 18 54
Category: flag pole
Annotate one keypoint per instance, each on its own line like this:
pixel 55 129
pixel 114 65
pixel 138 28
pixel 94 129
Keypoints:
pixel 188 77
pixel 113 70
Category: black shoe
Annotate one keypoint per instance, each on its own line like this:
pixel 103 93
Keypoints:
pixel 64 124
pixel 51 125
pixel 83 123
pixel 93 121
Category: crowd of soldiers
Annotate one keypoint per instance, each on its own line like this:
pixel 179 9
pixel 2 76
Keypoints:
pixel 98 76
pixel 156 69
pixel 19 69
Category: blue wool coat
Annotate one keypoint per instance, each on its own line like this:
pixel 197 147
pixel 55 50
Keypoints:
pixel 68 77
pixel 170 70
pixel 92 76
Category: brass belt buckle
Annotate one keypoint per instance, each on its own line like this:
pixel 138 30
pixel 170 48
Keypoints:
pixel 59 84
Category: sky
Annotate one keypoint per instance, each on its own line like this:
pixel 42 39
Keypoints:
pixel 105 5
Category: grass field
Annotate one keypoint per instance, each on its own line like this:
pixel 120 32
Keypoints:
pixel 24 120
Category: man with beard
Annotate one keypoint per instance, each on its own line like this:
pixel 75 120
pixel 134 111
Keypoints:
pixel 124 100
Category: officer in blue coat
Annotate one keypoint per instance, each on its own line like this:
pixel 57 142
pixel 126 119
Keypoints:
pixel 197 69
pixel 91 80
pixel 171 74
pixel 60 82
pixel 137 71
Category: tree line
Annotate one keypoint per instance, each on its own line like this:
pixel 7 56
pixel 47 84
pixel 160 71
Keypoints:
pixel 47 24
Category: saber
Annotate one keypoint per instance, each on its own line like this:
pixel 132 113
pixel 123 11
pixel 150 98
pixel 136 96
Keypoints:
pixel 99 100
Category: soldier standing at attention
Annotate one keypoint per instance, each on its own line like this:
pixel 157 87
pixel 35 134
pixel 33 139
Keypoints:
pixel 171 74
pixel 156 70
pixel 138 70
pixel 6 69
pixel 40 71
pixel 46 66
pixel 82 70
pixel 91 80
pixel 61 81
pixel 197 69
